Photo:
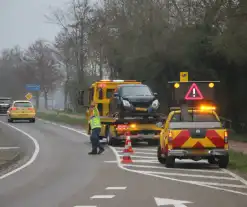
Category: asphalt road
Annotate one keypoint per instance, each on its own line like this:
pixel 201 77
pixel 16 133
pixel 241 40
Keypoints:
pixel 61 174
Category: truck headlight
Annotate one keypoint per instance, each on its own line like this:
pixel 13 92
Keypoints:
pixel 126 103
pixel 155 104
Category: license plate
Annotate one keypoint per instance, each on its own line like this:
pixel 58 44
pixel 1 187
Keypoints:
pixel 141 109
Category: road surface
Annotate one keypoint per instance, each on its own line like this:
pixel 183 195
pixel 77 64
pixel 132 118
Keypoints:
pixel 59 173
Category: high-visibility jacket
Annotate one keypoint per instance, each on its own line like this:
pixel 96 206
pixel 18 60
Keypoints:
pixel 94 119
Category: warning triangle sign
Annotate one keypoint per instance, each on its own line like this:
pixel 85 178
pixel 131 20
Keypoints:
pixel 194 93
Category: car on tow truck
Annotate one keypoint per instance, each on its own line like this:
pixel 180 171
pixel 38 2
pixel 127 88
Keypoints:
pixel 199 136
pixel 21 110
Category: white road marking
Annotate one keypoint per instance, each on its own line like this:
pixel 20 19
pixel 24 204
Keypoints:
pixel 8 148
pixel 150 158
pixel 236 176
pixel 137 152
pixel 222 184
pixel 190 175
pixel 85 206
pixel 111 161
pixel 179 169
pixel 116 188
pixel 138 149
pixel 31 160
pixel 144 161
pixel 102 196
pixel 158 176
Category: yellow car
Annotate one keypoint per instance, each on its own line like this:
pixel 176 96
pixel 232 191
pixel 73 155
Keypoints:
pixel 21 110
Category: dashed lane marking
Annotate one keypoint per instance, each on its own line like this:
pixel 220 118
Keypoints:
pixel 145 153
pixel 102 196
pixel 85 206
pixel 116 188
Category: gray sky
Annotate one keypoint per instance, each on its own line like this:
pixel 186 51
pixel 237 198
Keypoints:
pixel 23 21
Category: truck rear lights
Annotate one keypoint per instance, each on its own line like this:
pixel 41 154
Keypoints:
pixel 169 137
pixel 12 108
pixel 122 127
pixel 226 137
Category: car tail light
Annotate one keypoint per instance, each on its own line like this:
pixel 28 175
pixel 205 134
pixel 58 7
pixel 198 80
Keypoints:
pixel 169 136
pixel 30 109
pixel 226 137
pixel 12 108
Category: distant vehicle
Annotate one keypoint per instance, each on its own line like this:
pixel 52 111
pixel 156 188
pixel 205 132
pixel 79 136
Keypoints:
pixel 21 110
pixel 133 100
pixel 5 103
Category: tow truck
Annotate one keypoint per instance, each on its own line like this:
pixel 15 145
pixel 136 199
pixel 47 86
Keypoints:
pixel 193 129
pixel 114 128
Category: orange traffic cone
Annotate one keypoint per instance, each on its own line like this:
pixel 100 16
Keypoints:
pixel 128 146
pixel 126 158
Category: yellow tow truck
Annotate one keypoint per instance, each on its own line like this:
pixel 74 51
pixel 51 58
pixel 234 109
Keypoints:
pixel 114 128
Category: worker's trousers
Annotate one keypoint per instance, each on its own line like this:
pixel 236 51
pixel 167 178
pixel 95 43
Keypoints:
pixel 95 139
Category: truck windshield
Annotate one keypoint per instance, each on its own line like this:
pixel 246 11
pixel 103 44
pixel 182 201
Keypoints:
pixel 136 91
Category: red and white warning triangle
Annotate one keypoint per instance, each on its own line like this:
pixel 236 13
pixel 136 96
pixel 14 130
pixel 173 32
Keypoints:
pixel 194 93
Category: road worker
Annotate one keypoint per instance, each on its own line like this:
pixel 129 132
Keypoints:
pixel 95 125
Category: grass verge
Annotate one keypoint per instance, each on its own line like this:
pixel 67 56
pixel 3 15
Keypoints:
pixel 62 118
pixel 238 161
pixel 237 137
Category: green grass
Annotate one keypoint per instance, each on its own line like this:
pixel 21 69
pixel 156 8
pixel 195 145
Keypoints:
pixel 237 137
pixel 238 161
pixel 62 118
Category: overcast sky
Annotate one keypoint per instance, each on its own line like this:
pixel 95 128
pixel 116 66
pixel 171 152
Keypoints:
pixel 23 21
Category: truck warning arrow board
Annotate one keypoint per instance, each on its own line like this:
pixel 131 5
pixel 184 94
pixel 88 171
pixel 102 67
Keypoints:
pixel 194 93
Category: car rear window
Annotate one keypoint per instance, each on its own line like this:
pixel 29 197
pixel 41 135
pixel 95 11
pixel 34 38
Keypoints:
pixel 23 104
pixel 195 120
pixel 196 117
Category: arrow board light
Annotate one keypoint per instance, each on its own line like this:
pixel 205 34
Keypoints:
pixel 194 93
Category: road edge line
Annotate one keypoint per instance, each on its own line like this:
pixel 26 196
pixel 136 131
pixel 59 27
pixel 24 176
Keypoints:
pixel 33 157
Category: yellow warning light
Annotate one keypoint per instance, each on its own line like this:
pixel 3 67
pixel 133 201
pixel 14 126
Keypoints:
pixel 211 85
pixel 133 126
pixel 176 85
pixel 207 108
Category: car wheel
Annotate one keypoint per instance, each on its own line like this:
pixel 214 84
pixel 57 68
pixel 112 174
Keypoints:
pixel 170 162
pixel 10 120
pixel 224 161
pixel 32 120
pixel 162 160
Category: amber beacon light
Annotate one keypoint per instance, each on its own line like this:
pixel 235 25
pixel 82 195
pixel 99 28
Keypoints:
pixel 211 85
pixel 176 85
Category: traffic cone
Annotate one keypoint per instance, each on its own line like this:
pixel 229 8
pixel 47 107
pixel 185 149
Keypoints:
pixel 128 146
pixel 126 156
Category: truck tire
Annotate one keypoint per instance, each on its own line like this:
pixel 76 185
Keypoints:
pixel 223 161
pixel 161 160
pixel 212 161
pixel 110 140
pixel 170 162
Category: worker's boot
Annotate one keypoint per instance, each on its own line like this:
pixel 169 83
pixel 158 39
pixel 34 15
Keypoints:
pixel 101 150
pixel 93 152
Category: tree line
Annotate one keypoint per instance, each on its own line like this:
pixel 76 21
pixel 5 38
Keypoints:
pixel 150 40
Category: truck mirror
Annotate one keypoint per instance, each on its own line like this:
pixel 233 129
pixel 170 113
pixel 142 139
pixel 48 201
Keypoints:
pixel 81 98
pixel 115 94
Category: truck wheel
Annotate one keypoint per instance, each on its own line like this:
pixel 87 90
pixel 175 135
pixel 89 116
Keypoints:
pixel 109 139
pixel 223 161
pixel 212 161
pixel 162 160
pixel 170 162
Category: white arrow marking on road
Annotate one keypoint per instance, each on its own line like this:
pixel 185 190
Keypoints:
pixel 167 202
